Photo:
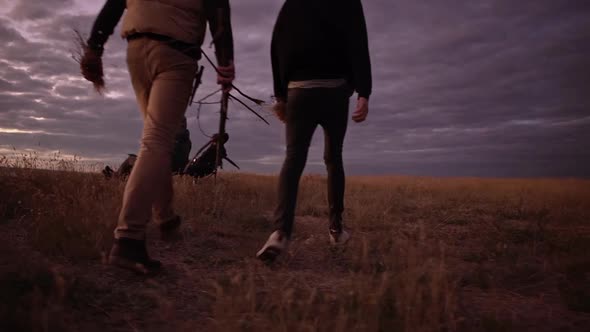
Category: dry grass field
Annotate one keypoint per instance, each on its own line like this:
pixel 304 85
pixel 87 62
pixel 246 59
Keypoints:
pixel 427 254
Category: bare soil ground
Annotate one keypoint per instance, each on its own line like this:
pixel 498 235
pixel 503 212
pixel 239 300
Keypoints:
pixel 427 254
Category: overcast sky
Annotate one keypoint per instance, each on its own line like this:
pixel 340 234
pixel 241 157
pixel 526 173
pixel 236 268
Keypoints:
pixel 461 88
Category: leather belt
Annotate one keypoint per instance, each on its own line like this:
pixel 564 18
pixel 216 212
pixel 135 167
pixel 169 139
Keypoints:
pixel 192 50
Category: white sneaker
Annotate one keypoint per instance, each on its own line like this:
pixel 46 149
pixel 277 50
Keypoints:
pixel 277 243
pixel 339 238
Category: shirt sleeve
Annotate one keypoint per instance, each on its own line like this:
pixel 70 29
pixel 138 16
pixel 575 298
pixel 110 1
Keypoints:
pixel 219 19
pixel 105 24
pixel 219 3
pixel 277 56
pixel 280 86
pixel 358 49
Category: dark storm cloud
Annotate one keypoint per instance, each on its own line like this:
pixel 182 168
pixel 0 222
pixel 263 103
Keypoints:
pixel 8 34
pixel 459 76
pixel 19 80
pixel 71 91
pixel 33 10
pixel 46 95
pixel 460 88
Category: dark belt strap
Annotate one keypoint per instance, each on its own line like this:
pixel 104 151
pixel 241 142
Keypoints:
pixel 192 50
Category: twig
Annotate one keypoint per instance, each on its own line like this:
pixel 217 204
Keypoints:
pixel 248 107
pixel 209 96
pixel 254 100
pixel 133 328
pixel 199 122
pixel 101 310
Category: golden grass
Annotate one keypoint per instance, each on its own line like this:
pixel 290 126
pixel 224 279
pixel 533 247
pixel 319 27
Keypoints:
pixel 428 254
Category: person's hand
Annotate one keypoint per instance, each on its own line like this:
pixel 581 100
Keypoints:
pixel 91 68
pixel 280 109
pixel 226 76
pixel 362 109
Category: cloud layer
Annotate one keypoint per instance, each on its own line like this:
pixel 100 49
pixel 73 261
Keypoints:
pixel 482 88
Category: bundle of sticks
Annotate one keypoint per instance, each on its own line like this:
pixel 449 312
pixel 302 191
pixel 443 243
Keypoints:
pixel 90 63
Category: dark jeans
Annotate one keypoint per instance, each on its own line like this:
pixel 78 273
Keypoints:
pixel 306 109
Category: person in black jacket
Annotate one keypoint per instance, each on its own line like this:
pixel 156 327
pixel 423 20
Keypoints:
pixel 320 55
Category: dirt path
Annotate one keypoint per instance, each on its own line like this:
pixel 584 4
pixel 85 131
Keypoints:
pixel 189 292
pixel 181 296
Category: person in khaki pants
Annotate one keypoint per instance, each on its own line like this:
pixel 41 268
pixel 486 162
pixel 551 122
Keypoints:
pixel 164 45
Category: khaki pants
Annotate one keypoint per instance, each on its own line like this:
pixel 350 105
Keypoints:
pixel 162 80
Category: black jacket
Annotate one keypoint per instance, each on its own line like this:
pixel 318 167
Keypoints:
pixel 321 39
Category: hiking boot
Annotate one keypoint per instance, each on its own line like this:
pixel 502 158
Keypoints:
pixel 132 254
pixel 339 237
pixel 170 225
pixel 276 244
